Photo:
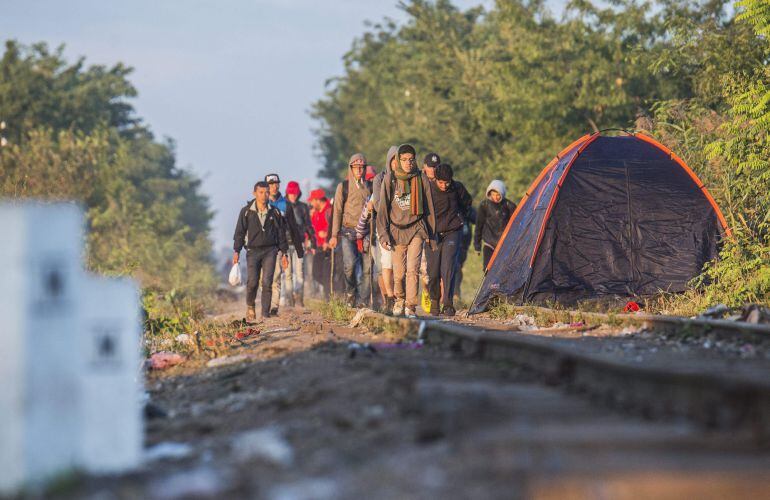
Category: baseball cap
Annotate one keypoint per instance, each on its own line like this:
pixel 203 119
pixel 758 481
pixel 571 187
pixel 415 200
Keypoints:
pixel 293 188
pixel 272 178
pixel 317 194
pixel 358 157
pixel 432 160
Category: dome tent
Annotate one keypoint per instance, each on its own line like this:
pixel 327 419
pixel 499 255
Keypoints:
pixel 610 215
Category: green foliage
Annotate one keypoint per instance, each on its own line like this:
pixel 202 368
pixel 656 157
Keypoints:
pixel 725 138
pixel 498 93
pixel 73 136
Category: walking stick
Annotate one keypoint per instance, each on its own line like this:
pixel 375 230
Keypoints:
pixel 331 276
pixel 371 259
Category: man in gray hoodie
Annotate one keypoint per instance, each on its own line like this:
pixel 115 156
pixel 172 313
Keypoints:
pixel 404 220
pixel 349 200
pixel 385 254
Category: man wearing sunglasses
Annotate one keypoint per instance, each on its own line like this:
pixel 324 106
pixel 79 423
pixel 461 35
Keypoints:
pixel 349 200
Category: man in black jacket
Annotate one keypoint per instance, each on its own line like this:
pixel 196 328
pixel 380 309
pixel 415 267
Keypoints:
pixel 491 219
pixel 262 230
pixel 451 202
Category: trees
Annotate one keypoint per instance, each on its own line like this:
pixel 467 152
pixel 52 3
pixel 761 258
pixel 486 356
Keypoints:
pixel 498 93
pixel 74 136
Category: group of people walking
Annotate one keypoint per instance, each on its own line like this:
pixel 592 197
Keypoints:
pixel 381 235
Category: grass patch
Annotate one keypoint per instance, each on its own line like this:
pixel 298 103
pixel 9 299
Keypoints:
pixel 472 277
pixel 334 309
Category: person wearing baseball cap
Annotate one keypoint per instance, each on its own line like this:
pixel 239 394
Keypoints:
pixel 322 220
pixel 349 200
pixel 293 236
pixel 429 164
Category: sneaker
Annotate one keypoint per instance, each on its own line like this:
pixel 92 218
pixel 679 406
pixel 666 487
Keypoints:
pixel 409 312
pixel 350 300
pixel 448 311
pixel 398 308
pixel 251 314
pixel 274 311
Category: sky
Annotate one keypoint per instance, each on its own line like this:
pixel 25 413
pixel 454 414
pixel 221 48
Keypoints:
pixel 231 81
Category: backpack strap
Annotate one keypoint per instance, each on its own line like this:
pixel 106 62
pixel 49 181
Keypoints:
pixel 345 190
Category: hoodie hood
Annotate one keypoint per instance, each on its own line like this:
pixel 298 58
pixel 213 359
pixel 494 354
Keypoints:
pixel 377 183
pixel 496 185
pixel 392 152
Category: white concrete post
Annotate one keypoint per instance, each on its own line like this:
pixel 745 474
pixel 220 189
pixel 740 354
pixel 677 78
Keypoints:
pixel 40 257
pixel 111 409
pixel 70 378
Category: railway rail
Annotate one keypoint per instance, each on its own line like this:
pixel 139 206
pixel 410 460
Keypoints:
pixel 713 394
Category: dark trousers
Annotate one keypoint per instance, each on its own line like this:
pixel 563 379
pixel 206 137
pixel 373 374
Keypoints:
pixel 442 266
pixel 486 253
pixel 322 270
pixel 260 261
pixel 355 285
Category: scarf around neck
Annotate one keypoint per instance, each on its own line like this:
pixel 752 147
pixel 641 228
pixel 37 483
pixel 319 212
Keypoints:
pixel 410 182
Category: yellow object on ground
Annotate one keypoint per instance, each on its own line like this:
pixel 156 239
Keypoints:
pixel 425 300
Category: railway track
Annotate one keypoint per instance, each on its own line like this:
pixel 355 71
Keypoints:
pixel 714 394
pixel 365 411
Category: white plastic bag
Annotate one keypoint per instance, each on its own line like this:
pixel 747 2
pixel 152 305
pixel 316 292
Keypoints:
pixel 235 275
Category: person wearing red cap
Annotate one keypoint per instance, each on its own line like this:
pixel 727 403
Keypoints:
pixel 294 283
pixel 321 219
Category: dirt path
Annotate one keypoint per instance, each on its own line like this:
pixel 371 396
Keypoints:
pixel 304 416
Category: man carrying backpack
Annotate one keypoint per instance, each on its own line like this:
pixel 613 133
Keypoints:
pixel 405 220
pixel 451 202
pixel 260 228
pixel 349 200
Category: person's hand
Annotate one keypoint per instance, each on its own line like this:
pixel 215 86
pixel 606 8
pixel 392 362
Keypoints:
pixel 360 246
pixel 284 262
pixel 236 257
pixel 325 246
pixel 311 250
pixel 387 245
pixel 333 242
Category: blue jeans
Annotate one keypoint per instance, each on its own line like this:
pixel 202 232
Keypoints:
pixel 351 258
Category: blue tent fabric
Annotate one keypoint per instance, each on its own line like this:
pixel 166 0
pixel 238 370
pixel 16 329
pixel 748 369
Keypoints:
pixel 626 220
